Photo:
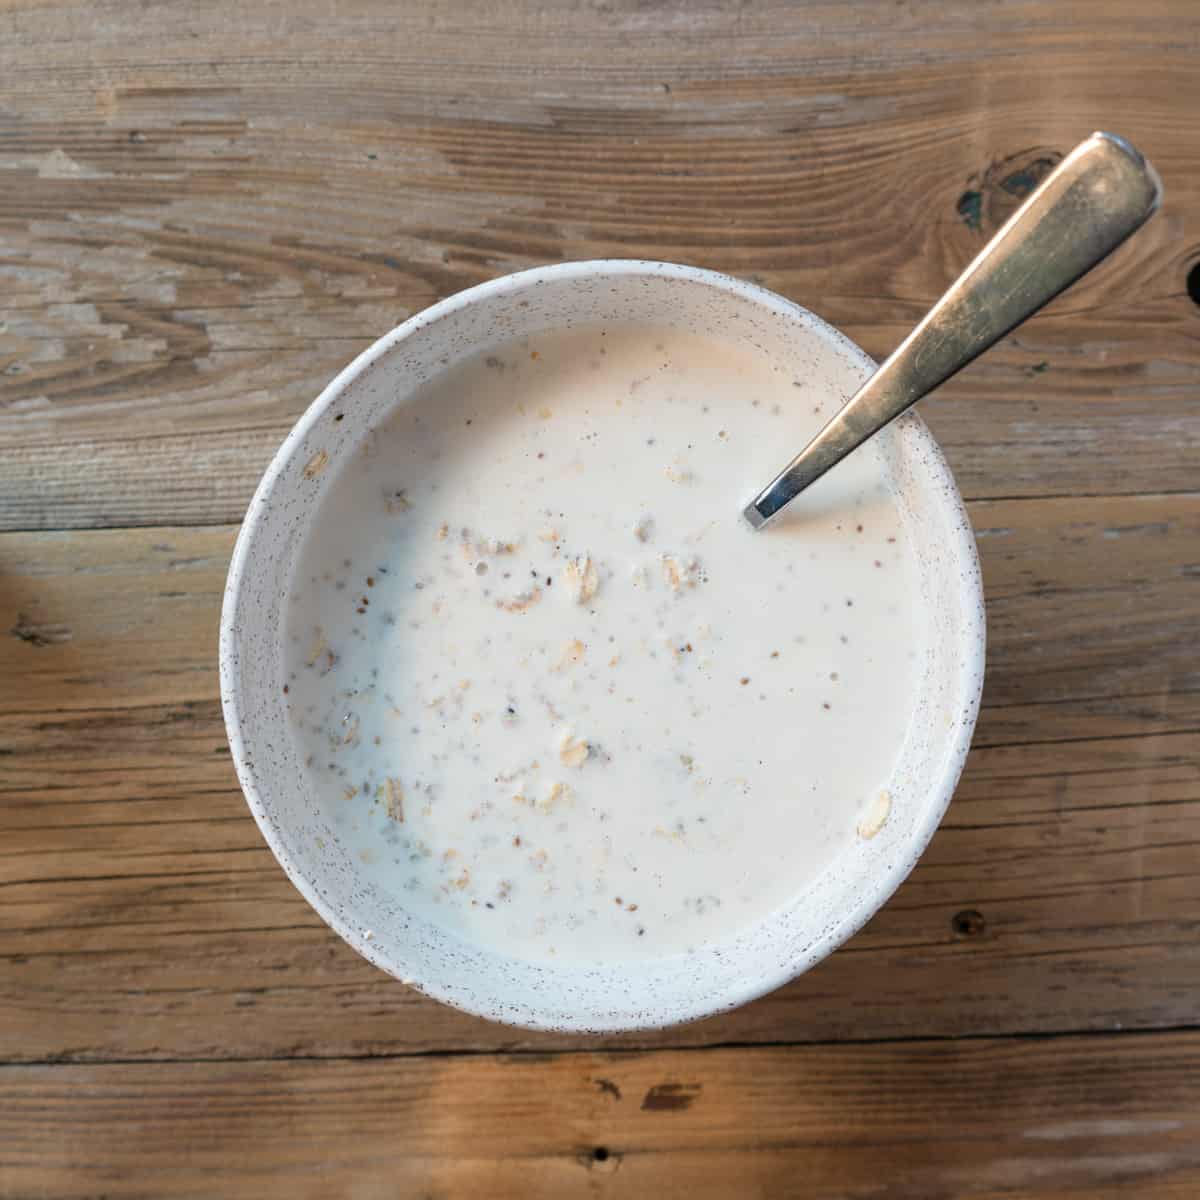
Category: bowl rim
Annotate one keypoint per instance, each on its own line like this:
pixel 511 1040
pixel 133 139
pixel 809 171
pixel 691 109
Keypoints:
pixel 972 644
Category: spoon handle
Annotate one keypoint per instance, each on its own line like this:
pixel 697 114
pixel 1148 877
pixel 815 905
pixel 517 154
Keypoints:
pixel 1085 208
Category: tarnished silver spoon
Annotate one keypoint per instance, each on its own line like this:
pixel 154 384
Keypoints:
pixel 1103 191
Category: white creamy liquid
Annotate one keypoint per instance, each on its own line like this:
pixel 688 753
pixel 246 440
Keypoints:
pixel 557 695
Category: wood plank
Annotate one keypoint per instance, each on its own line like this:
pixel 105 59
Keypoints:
pixel 1087 1117
pixel 1091 597
pixel 1091 602
pixel 1061 892
pixel 110 620
pixel 196 240
pixel 1046 721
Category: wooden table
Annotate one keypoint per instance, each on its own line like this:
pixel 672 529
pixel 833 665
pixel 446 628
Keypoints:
pixel 206 210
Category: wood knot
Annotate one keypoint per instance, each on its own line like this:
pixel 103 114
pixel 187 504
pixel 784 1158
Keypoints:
pixel 968 923
pixel 1193 283
pixel 993 195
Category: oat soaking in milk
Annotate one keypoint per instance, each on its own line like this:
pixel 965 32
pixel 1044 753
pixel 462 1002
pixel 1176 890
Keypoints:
pixel 561 699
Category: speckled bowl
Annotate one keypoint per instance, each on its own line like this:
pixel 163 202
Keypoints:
pixel 294 820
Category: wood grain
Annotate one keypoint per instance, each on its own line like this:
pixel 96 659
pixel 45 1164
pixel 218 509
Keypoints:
pixel 1060 894
pixel 207 210
pixel 111 619
pixel 195 240
pixel 141 916
pixel 1089 600
pixel 1090 1117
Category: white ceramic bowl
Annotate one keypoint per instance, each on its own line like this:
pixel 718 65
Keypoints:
pixel 293 819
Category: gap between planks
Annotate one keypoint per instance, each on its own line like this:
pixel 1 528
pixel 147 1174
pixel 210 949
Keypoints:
pixel 615 1050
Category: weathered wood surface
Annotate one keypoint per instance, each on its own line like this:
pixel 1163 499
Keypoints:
pixel 141 917
pixel 1091 1118
pixel 210 210
pixel 1088 600
pixel 206 210
pixel 131 875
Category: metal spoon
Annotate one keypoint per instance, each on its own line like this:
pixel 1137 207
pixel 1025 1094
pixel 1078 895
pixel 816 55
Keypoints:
pixel 1085 208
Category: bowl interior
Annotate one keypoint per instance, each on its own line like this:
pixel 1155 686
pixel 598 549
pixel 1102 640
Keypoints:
pixel 292 817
